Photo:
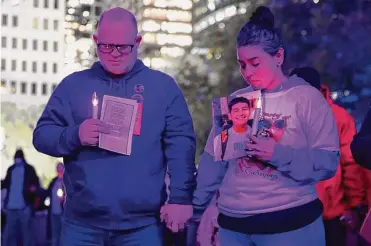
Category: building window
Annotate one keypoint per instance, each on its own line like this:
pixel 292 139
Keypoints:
pixel 55 68
pixel 34 67
pixel 3 42
pixel 45 45
pixel 45 67
pixel 14 43
pixel 3 83
pixel 24 66
pixel 44 89
pixel 46 24
pixel 23 87
pixel 24 44
pixel 13 87
pixel 5 19
pixel 35 23
pixel 56 4
pixel 14 65
pixel 36 3
pixel 15 21
pixel 55 46
pixel 46 4
pixel 33 88
pixel 54 86
pixel 34 44
pixel 98 10
pixel 56 25
pixel 3 64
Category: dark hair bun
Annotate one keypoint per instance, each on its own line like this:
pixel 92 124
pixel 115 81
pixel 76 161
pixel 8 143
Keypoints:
pixel 263 16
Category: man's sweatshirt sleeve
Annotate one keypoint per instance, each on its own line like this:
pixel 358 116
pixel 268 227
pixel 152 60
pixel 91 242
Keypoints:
pixel 55 133
pixel 209 178
pixel 361 143
pixel 180 148
pixel 319 160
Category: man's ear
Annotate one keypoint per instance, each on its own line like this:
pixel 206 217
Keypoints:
pixel 138 40
pixel 95 38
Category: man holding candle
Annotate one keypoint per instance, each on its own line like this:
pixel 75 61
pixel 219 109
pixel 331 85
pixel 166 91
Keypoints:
pixel 114 199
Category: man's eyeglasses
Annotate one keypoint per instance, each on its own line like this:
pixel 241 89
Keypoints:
pixel 121 48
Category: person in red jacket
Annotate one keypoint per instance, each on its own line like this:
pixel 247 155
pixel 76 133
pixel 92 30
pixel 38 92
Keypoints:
pixel 343 195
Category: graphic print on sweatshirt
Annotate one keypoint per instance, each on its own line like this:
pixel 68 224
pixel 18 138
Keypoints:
pixel 272 125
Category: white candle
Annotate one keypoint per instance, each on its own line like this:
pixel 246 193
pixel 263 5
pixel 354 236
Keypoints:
pixel 94 102
pixel 256 118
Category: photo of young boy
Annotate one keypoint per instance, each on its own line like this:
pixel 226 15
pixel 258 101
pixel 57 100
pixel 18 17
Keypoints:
pixel 231 141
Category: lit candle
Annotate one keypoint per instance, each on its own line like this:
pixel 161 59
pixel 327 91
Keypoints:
pixel 94 102
pixel 256 119
pixel 59 192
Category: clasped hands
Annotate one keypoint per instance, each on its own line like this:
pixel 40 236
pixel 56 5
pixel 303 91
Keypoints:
pixel 176 216
pixel 260 148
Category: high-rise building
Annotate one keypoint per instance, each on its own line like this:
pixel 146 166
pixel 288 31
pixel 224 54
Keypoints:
pixel 80 22
pixel 32 45
pixel 166 27
pixel 210 18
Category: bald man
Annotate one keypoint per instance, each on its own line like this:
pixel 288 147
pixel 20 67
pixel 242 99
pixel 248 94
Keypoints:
pixel 115 199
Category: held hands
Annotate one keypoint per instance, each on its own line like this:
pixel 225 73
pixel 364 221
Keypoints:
pixel 176 216
pixel 261 148
pixel 89 131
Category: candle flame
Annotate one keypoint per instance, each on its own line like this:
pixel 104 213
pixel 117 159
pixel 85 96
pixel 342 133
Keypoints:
pixel 94 100
pixel 59 192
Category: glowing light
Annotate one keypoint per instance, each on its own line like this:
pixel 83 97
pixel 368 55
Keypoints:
pixel 172 51
pixel 334 95
pixel 71 11
pixel 150 26
pixel 47 202
pixel 175 27
pixel 60 193
pixel 211 6
pixel 94 99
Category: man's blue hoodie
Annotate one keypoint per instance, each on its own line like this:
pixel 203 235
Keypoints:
pixel 114 191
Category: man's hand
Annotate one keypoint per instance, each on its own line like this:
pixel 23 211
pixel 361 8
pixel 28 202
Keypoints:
pixel 176 216
pixel 261 148
pixel 89 131
pixel 206 233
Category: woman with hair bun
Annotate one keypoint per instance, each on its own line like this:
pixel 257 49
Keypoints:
pixel 276 205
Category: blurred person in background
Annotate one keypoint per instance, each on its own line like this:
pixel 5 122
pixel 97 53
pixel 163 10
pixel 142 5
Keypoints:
pixel 278 205
pixel 361 150
pixel 343 195
pixel 362 141
pixel 22 185
pixel 57 195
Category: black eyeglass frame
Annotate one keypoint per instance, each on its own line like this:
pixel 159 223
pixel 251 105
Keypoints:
pixel 115 46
